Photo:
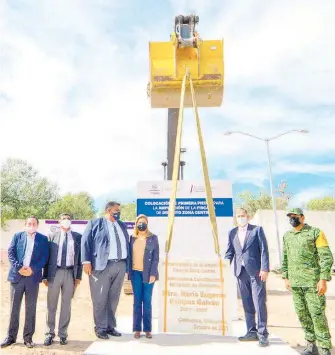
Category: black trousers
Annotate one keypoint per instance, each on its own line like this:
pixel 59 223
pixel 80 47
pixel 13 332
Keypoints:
pixel 29 287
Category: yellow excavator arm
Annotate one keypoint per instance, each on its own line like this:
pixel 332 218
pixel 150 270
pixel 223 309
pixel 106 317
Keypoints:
pixel 169 60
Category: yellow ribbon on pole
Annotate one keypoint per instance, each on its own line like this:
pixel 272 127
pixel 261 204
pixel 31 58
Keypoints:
pixel 209 197
pixel 172 203
pixel 209 200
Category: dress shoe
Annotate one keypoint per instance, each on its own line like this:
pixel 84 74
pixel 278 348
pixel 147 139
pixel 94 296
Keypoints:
pixel 102 335
pixel 48 340
pixel 148 335
pixel 311 349
pixel 7 342
pixel 263 341
pixel 29 344
pixel 113 332
pixel 251 336
pixel 63 341
pixel 137 335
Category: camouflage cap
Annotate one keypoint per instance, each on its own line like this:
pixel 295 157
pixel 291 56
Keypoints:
pixel 295 211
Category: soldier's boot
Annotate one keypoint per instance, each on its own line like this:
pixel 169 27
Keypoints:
pixel 324 351
pixel 311 349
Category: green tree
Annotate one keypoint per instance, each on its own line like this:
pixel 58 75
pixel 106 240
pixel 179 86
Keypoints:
pixel 79 206
pixel 6 213
pixel 24 192
pixel 252 203
pixel 322 204
pixel 128 212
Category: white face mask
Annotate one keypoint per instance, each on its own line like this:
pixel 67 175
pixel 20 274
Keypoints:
pixel 31 229
pixel 65 223
pixel 242 221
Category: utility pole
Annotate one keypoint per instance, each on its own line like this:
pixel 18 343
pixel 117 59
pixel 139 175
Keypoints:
pixel 173 114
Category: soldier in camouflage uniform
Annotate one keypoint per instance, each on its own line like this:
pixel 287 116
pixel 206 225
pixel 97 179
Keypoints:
pixel 306 267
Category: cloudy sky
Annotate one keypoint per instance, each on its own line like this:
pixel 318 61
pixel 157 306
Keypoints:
pixel 73 93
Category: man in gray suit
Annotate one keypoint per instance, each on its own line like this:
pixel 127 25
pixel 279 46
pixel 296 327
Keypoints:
pixel 62 273
pixel 105 252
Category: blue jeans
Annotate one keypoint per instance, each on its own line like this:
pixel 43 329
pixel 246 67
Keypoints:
pixel 142 310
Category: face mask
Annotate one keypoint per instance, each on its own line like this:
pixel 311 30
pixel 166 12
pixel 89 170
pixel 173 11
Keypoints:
pixel 65 223
pixel 116 215
pixel 31 229
pixel 242 221
pixel 294 221
pixel 142 227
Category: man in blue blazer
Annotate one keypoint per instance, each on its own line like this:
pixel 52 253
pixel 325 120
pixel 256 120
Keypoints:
pixel 248 247
pixel 105 252
pixel 27 253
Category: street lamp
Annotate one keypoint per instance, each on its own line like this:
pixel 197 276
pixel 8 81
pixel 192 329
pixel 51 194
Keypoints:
pixel 267 140
pixel 164 164
pixel 182 164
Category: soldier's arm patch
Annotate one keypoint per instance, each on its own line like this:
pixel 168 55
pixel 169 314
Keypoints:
pixel 321 240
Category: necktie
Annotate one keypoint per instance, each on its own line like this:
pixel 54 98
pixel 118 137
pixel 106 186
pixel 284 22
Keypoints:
pixel 64 252
pixel 118 243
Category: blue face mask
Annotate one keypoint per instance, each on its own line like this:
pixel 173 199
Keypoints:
pixel 116 215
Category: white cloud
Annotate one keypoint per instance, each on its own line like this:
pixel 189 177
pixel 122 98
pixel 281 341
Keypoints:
pixel 286 44
pixel 98 142
pixel 302 198
pixel 197 7
pixel 74 98
pixel 310 168
pixel 278 76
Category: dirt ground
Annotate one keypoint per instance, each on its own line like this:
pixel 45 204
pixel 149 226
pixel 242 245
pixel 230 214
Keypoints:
pixel 282 319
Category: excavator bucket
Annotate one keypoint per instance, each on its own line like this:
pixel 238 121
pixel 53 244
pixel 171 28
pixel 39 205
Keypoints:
pixel 168 64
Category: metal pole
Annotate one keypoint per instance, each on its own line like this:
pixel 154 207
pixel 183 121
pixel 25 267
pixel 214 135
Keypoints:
pixel 273 202
pixel 164 166
pixel 171 139
pixel 182 164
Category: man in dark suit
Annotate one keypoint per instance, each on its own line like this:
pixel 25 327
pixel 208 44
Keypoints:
pixel 105 250
pixel 248 247
pixel 27 254
pixel 62 273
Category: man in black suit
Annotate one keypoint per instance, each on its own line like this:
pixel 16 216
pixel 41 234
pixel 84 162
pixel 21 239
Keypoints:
pixel 27 254
pixel 62 273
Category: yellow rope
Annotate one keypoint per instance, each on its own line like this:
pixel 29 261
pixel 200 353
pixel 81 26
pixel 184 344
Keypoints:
pixel 172 204
pixel 209 197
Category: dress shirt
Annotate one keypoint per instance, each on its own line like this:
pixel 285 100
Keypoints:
pixel 29 249
pixel 242 233
pixel 70 249
pixel 112 237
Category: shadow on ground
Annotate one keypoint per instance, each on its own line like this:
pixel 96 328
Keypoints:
pixel 187 339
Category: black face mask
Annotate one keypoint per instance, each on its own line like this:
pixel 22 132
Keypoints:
pixel 142 227
pixel 116 215
pixel 295 221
